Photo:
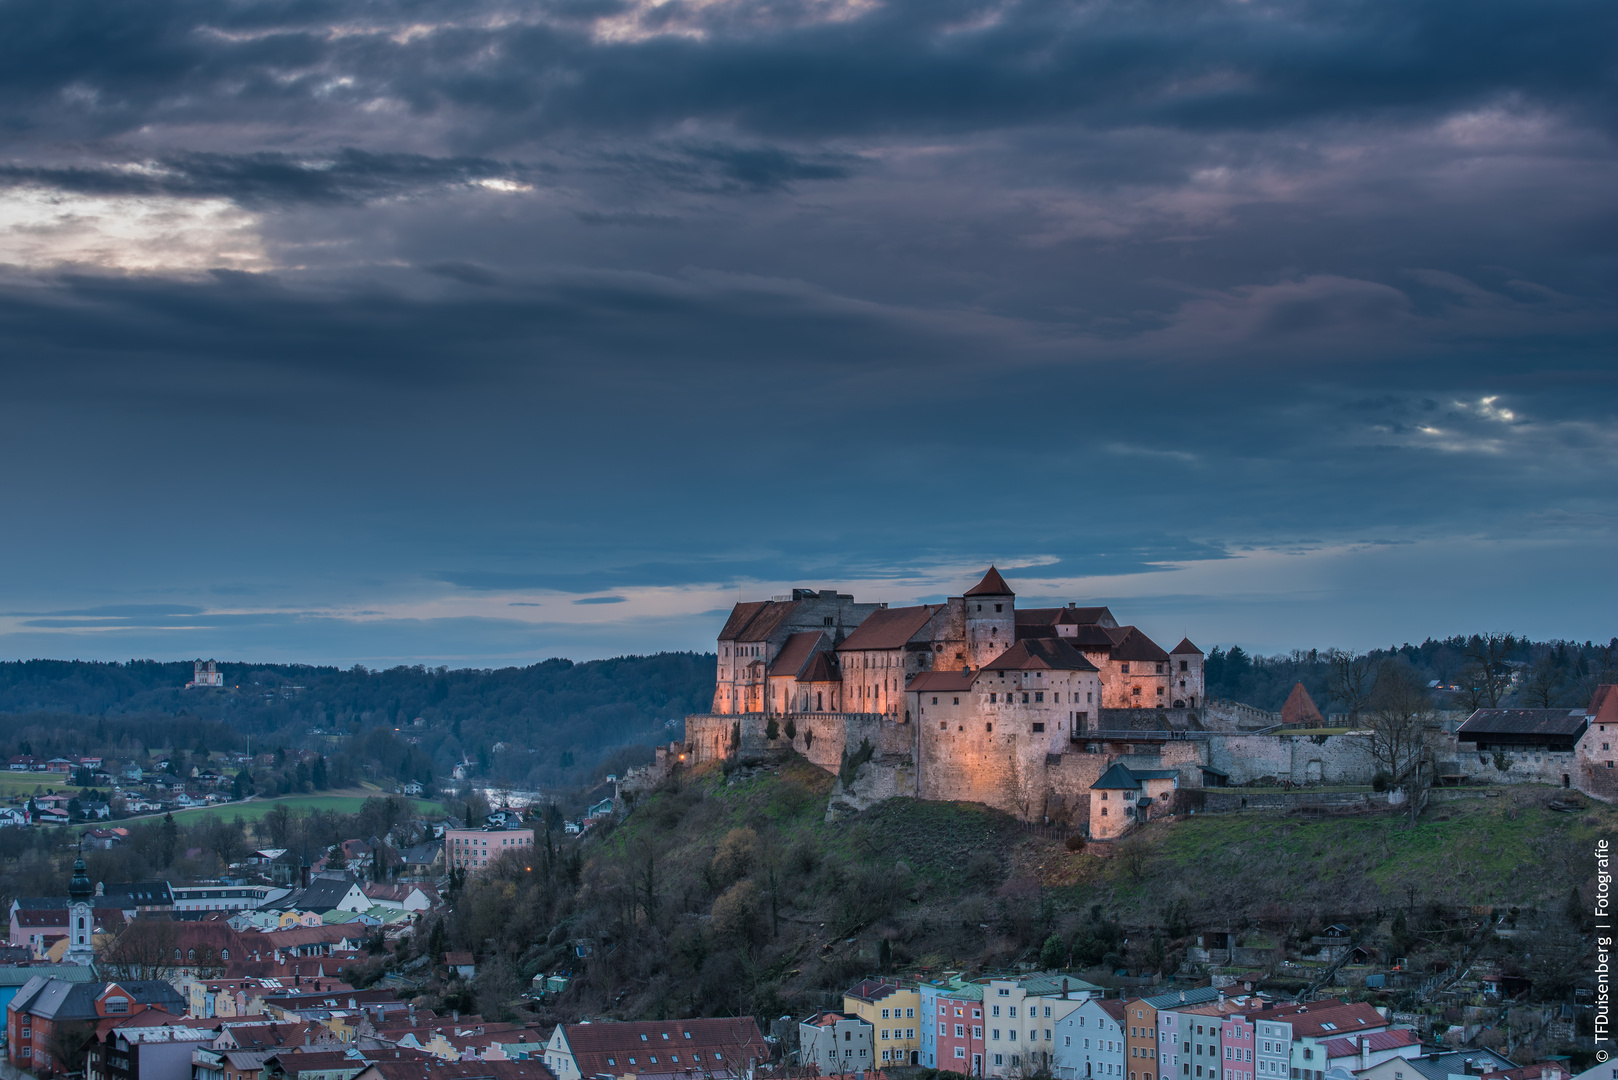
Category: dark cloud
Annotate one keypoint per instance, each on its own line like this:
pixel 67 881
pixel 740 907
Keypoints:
pixel 355 314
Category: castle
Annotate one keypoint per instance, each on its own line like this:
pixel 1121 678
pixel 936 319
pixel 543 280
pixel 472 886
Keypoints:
pixel 971 699
pixel 1053 714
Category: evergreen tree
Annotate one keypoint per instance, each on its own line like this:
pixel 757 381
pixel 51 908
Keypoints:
pixel 168 840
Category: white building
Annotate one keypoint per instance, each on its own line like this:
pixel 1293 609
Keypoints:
pixel 836 1043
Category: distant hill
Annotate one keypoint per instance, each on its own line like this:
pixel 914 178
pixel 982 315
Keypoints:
pixel 554 722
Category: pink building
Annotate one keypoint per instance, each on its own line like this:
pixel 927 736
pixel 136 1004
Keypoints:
pixel 1236 1047
pixel 960 1030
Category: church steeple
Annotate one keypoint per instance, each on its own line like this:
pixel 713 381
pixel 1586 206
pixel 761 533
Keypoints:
pixel 80 918
pixel 80 888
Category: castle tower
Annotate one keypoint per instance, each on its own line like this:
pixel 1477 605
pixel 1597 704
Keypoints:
pixel 80 919
pixel 991 619
pixel 1185 686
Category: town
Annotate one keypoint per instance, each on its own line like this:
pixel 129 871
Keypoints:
pixel 412 939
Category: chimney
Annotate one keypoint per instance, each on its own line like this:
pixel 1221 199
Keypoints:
pixel 306 1036
pixel 1365 1051
pixel 1182 997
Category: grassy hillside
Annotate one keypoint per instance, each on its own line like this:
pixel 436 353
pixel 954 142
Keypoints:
pixel 736 895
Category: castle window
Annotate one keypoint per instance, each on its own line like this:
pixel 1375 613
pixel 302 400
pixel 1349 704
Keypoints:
pixel 980 607
pixel 1039 695
pixel 935 701
pixel 1025 697
pixel 997 607
pixel 1184 666
pixel 957 701
pixel 1103 809
pixel 826 620
pixel 943 725
pixel 988 727
pixel 1039 727
pixel 1160 669
pixel 1159 691
pixel 1136 691
pixel 991 697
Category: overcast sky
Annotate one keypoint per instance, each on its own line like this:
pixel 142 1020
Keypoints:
pixel 482 332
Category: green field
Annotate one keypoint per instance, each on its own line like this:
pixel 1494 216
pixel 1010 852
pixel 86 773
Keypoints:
pixel 256 809
pixel 22 785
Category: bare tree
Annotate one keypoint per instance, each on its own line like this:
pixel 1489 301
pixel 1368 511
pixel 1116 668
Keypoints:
pixel 67 1045
pixel 147 949
pixel 1352 679
pixel 1488 670
pixel 1544 686
pixel 1401 724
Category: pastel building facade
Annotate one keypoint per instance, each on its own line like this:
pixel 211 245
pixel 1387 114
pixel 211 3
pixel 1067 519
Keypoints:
pixel 1091 1041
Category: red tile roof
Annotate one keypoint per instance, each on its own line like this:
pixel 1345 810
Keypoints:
pixel 1185 648
pixel 1040 654
pixel 1134 645
pixel 1604 705
pixel 1391 1039
pixel 1300 708
pixel 941 682
pixel 822 668
pixel 795 652
pixel 991 585
pixel 1340 1020
pixel 888 628
pixel 726 1041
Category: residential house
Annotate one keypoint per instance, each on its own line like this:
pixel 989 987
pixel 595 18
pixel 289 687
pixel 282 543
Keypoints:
pixel 714 1047
pixel 299 1064
pixel 1356 1053
pixel 1317 1023
pixel 45 1002
pixel 461 964
pixel 402 897
pixel 1091 1041
pixel 140 1048
pixel 891 1010
pixel 328 892
pixel 834 1043
pixel 1450 1065
pixel 1161 1013
pixel 424 860
pixel 475 849
pixel 956 1043
pixel 1020 1015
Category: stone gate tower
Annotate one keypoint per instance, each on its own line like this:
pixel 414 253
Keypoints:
pixel 991 619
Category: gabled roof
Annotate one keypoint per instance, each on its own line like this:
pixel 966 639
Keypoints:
pixel 138 893
pixel 991 585
pixel 1116 1008
pixel 1300 707
pixel 1378 1040
pixel 736 1038
pixel 1063 616
pixel 822 667
pixel 1185 648
pixel 941 682
pixel 1561 722
pixel 740 616
pixel 795 652
pixel 1092 637
pixel 1603 707
pixel 1340 1020
pixel 1040 654
pixel 889 628
pixel 871 990
pixel 1117 778
pixel 1134 645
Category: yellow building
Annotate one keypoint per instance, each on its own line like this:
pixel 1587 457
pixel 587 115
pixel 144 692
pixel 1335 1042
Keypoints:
pixel 892 1010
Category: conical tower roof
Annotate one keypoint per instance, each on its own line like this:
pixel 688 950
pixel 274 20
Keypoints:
pixel 991 585
pixel 1300 708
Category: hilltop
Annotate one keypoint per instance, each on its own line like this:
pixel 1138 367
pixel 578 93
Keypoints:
pixel 735 893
